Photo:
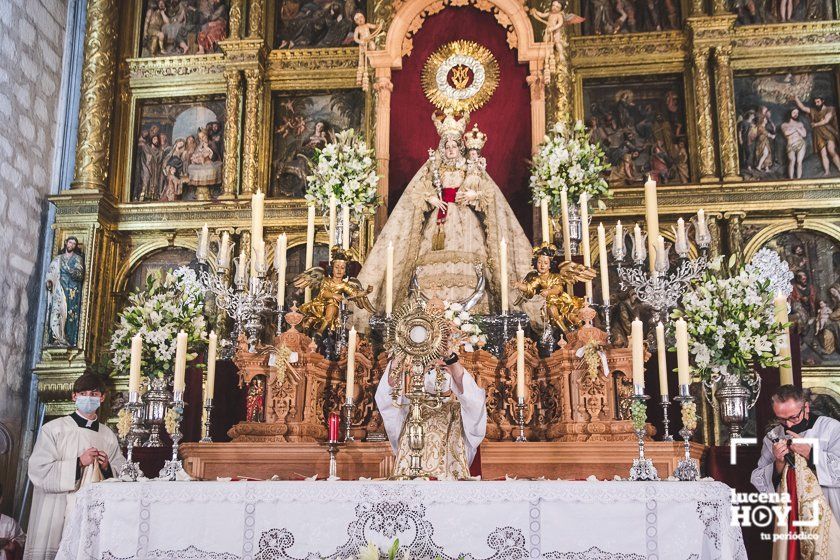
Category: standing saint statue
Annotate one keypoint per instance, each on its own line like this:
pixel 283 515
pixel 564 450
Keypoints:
pixel 64 298
pixel 451 217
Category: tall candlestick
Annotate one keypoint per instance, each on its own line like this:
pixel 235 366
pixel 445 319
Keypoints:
pixel 652 217
pixel 637 342
pixel 310 246
pixel 662 363
pixel 546 231
pixel 351 363
pixel 389 279
pixel 136 358
pixel 210 387
pixel 203 244
pixel 331 230
pixel 564 211
pixel 224 251
pixel 603 264
pixel 584 229
pixel 345 227
pixel 503 266
pixel 780 312
pixel 681 336
pixel 179 382
pixel 520 362
pixel 280 267
pixel 257 210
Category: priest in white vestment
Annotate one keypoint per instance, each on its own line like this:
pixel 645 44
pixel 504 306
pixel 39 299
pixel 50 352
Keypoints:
pixel 453 432
pixel 811 473
pixel 68 451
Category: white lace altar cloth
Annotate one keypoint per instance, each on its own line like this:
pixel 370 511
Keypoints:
pixel 479 520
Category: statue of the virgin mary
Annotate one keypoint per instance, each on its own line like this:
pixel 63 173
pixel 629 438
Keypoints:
pixel 451 217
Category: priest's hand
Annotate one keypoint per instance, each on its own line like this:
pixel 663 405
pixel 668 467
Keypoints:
pixel 88 456
pixel 456 372
pixel 803 449
pixel 102 459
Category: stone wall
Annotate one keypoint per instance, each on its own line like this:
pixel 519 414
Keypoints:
pixel 32 45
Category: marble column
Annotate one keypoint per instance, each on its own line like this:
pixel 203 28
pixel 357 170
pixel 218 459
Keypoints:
pixel 233 80
pixel 725 98
pixel 703 113
pixel 253 110
pixel 97 96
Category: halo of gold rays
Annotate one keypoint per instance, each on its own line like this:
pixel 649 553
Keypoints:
pixel 461 75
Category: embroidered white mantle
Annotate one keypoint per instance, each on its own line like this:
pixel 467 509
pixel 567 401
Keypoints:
pixel 479 520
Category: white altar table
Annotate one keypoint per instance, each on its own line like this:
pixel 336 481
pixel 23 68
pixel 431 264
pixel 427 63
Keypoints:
pixel 479 520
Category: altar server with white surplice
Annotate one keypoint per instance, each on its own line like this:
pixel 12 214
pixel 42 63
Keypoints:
pixel 70 451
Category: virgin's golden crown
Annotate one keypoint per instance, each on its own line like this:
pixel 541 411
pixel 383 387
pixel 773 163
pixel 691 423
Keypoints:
pixel 449 124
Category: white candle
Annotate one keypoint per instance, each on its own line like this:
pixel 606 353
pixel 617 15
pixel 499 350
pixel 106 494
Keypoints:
pixel 331 231
pixel 618 238
pixel 134 370
pixel 638 348
pixel 242 268
pixel 546 232
pixel 210 388
pixel 258 249
pixel 203 244
pixel 652 217
pixel 257 210
pixel 351 363
pixel 564 211
pixel 310 246
pixel 780 312
pixel 604 265
pixel 503 266
pixel 682 244
pixel 224 251
pixel 662 363
pixel 637 239
pixel 681 335
pixel 180 362
pixel 280 267
pixel 520 362
pixel 584 228
pixel 389 279
pixel 345 227
pixel 702 228
pixel 661 256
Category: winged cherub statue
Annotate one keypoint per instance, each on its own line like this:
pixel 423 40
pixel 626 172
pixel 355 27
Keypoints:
pixel 549 279
pixel 322 313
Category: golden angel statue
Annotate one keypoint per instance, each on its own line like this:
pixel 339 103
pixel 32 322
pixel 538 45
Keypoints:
pixel 450 218
pixel 322 313
pixel 555 19
pixel 549 279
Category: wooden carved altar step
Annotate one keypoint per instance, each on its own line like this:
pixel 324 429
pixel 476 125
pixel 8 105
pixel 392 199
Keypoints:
pixel 567 460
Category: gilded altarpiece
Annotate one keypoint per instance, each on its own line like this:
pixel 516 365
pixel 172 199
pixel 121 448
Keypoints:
pixel 231 57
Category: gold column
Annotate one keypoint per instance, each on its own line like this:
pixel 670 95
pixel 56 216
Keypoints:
pixel 725 98
pixel 253 110
pixel 703 110
pixel 232 104
pixel 255 19
pixel 235 22
pixel 98 73
pixel 564 89
pixel 720 8
pixel 382 87
pixel 736 237
pixel 716 246
pixel 698 8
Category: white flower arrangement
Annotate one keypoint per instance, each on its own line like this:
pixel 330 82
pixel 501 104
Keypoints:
pixel 568 160
pixel 468 333
pixel 168 304
pixel 344 169
pixel 731 323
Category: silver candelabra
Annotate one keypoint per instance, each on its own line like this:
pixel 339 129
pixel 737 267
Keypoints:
pixel 173 466
pixel 520 419
pixel 642 468
pixel 130 471
pixel 687 468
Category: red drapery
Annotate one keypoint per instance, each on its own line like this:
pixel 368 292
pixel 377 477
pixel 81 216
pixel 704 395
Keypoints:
pixel 506 118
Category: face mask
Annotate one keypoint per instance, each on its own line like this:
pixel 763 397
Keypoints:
pixel 87 404
pixel 800 427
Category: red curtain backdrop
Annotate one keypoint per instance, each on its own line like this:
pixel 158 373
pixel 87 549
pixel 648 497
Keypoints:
pixel 506 118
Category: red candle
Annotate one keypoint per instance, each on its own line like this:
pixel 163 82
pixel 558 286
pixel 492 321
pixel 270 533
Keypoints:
pixel 332 426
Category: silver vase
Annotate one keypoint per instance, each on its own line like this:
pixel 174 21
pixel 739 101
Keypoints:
pixel 735 400
pixel 157 398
